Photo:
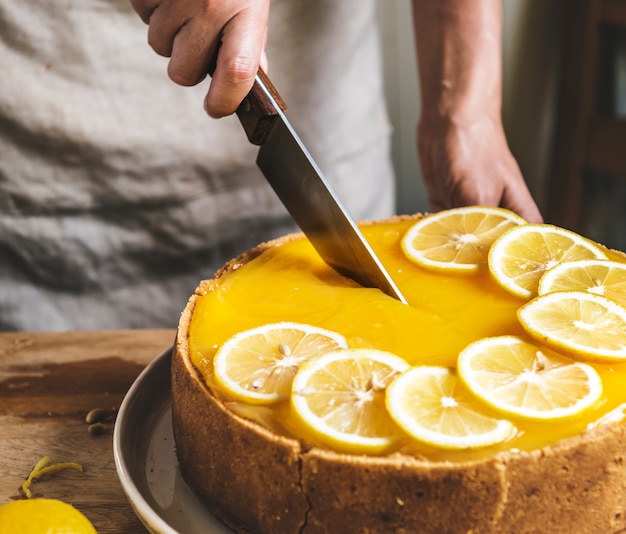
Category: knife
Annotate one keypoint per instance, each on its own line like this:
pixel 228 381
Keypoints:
pixel 299 183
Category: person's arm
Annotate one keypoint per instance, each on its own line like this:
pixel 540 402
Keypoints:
pixel 464 155
pixel 196 34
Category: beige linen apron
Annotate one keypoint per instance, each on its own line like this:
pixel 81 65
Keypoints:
pixel 118 194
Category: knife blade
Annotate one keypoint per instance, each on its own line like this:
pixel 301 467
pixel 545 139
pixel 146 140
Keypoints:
pixel 301 186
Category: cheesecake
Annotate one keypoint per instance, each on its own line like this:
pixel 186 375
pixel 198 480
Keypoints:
pixel 253 469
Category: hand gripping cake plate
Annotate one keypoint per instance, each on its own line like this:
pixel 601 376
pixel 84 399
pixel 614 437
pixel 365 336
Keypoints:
pixel 493 402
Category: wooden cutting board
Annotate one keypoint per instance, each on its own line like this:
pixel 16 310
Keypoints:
pixel 48 384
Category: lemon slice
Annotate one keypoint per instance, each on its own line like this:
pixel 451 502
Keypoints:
pixel 339 399
pixel 521 379
pixel 457 239
pixel 520 256
pixel 601 277
pixel 258 365
pixel 589 326
pixel 431 405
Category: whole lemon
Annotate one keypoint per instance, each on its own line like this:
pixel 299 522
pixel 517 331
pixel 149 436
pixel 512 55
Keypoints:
pixel 49 516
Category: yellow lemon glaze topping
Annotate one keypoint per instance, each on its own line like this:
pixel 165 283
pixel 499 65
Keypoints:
pixel 289 282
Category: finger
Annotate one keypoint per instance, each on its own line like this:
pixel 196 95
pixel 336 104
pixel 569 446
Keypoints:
pixel 515 194
pixel 165 23
pixel 237 61
pixel 263 61
pixel 193 49
pixel 521 202
pixel 464 191
pixel 144 8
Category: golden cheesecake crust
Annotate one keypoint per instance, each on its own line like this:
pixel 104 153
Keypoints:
pixel 258 481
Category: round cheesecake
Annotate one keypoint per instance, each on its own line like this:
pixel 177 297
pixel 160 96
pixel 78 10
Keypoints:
pixel 257 475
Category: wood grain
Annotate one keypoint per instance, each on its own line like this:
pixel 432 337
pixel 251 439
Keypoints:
pixel 48 383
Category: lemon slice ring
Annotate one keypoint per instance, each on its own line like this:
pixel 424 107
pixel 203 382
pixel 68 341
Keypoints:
pixel 258 365
pixel 457 239
pixel 339 399
pixel 589 326
pixel 602 277
pixel 519 257
pixel 431 405
pixel 523 380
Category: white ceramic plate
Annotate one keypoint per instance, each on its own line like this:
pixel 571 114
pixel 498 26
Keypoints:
pixel 145 458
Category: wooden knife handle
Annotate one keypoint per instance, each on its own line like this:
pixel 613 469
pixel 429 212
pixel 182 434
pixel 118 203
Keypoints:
pixel 257 111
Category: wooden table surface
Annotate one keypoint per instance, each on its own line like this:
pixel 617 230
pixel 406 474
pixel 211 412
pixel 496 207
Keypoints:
pixel 48 383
